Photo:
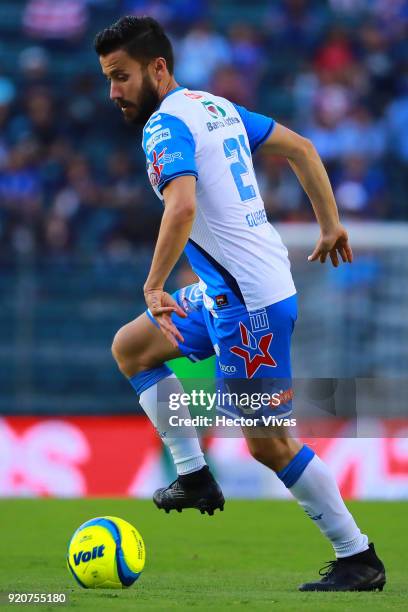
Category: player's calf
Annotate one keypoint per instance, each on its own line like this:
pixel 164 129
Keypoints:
pixel 273 451
pixel 140 350
pixel 313 486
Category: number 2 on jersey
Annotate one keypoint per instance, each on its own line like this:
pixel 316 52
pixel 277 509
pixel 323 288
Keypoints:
pixel 232 149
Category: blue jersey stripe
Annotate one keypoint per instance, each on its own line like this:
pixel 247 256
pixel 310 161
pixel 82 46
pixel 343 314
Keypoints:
pixel 257 126
pixel 264 137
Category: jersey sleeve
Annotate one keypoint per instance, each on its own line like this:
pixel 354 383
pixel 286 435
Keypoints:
pixel 170 149
pixel 258 127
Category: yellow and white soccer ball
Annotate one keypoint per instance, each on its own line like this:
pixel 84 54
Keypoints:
pixel 106 552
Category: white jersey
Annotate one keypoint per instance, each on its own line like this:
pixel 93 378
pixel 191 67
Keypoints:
pixel 237 254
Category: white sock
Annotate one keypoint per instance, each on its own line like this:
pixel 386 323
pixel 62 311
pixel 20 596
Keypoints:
pixel 184 447
pixel 317 492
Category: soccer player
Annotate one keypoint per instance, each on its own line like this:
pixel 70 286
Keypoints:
pixel 199 151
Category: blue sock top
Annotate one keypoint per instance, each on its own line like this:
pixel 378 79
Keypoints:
pixel 296 466
pixel 142 381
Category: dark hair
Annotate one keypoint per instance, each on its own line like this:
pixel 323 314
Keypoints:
pixel 142 38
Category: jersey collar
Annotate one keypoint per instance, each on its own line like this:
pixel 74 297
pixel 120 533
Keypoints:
pixel 175 90
pixel 179 88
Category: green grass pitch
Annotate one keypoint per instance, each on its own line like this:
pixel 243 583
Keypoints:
pixel 250 557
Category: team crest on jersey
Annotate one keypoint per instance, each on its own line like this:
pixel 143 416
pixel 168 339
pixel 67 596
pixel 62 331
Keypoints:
pixel 215 111
pixel 252 364
pixel 156 167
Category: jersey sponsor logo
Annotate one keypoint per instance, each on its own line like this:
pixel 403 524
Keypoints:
pixel 221 300
pixel 232 120
pixel 252 364
pixel 227 369
pixel 214 110
pixel 214 125
pixel 156 138
pixel 159 160
pixel 192 95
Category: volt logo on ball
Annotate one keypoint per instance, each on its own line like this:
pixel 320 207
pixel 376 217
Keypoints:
pixel 86 556
pixel 117 559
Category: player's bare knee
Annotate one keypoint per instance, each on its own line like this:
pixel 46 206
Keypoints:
pixel 129 358
pixel 132 352
pixel 117 347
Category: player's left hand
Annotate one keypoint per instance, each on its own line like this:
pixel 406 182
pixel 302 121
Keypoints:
pixel 162 305
pixel 333 243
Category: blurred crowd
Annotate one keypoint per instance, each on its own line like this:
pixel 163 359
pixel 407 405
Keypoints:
pixel 72 174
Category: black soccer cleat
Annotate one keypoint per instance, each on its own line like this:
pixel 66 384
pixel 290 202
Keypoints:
pixel 197 490
pixel 361 572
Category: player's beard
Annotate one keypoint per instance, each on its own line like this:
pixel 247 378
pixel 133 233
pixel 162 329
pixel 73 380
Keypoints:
pixel 146 104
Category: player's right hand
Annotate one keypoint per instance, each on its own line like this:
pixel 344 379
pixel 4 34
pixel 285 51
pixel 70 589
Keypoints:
pixel 333 243
pixel 162 305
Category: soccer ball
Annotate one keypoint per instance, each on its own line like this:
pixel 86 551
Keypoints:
pixel 106 552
